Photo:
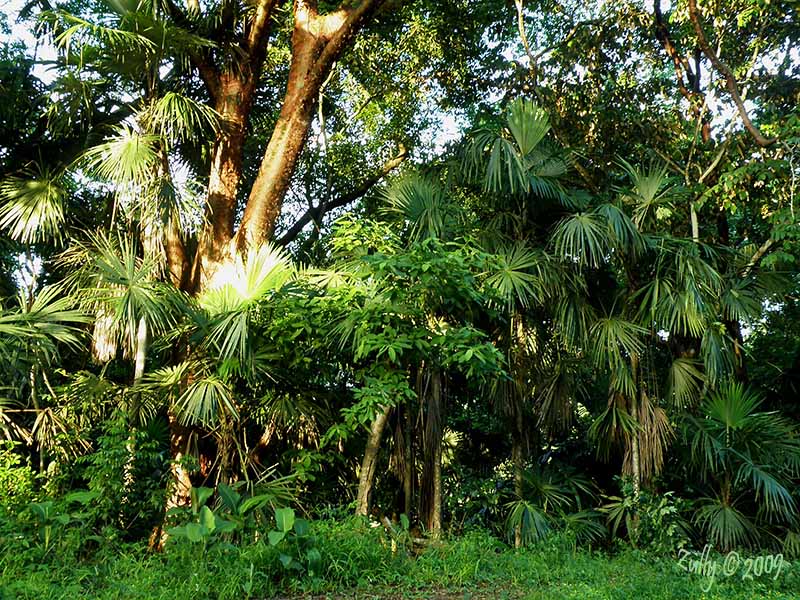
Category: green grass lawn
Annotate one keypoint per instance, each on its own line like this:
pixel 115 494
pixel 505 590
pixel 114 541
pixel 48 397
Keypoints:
pixel 357 563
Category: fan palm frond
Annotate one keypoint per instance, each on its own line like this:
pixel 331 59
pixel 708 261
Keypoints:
pixel 521 275
pixel 582 238
pixel 652 193
pixel 528 124
pixel 615 338
pixel 33 206
pixel 685 382
pixel 527 518
pixel 725 525
pixel 624 233
pixel 127 158
pixel 422 203
pixel 177 117
pixel 206 401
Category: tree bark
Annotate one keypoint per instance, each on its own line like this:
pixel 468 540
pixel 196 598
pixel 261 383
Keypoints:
pixel 317 42
pixel 634 412
pixel 518 460
pixel 233 104
pixel 408 464
pixel 366 477
pixel 431 486
pixel 180 487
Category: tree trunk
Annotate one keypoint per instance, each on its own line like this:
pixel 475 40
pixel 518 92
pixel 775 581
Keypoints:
pixel 408 464
pixel 180 487
pixel 130 444
pixel 317 42
pixel 431 486
pixel 234 101
pixel 634 412
pixel 288 137
pixel 366 477
pixel 518 459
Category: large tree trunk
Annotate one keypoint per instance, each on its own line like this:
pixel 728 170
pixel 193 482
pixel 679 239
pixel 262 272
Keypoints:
pixel 235 95
pixel 317 42
pixel 366 477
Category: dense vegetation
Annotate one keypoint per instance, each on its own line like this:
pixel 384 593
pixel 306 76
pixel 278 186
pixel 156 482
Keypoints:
pixel 466 298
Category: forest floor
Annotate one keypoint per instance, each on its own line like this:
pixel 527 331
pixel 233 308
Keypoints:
pixel 359 565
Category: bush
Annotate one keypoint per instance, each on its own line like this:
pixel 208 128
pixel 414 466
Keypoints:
pixel 16 479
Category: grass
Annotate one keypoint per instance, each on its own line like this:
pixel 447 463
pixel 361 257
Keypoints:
pixel 358 563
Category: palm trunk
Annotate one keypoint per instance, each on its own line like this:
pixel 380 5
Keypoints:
pixel 431 486
pixel 517 458
pixel 634 412
pixel 408 464
pixel 130 445
pixel 179 488
pixel 366 476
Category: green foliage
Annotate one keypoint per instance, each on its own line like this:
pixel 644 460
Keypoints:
pixel 748 458
pixel 545 288
pixel 17 479
pixel 553 499
pixel 123 476
pixel 357 559
pixel 654 522
pixel 298 547
pixel 204 526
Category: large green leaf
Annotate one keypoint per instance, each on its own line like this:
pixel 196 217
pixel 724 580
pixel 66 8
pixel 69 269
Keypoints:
pixel 207 519
pixel 194 532
pixel 276 537
pixel 284 519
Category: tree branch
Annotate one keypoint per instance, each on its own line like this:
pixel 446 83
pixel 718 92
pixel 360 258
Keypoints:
pixel 314 213
pixel 257 33
pixel 688 80
pixel 757 256
pixel 730 80
pixel 337 28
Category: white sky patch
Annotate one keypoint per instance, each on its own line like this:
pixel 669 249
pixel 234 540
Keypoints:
pixel 27 275
pixel 44 52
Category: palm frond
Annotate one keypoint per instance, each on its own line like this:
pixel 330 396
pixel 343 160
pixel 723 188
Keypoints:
pixel 33 206
pixel 615 338
pixel 725 525
pixel 685 382
pixel 652 193
pixel 205 402
pixel 528 124
pixel 177 117
pixel 127 158
pixel 422 203
pixel 623 231
pixel 521 275
pixel 582 239
pixel 532 523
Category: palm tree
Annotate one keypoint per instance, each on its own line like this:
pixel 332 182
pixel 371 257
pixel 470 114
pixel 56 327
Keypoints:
pixel 665 287
pixel 222 353
pixel 748 461
pixel 32 337
pixel 518 172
